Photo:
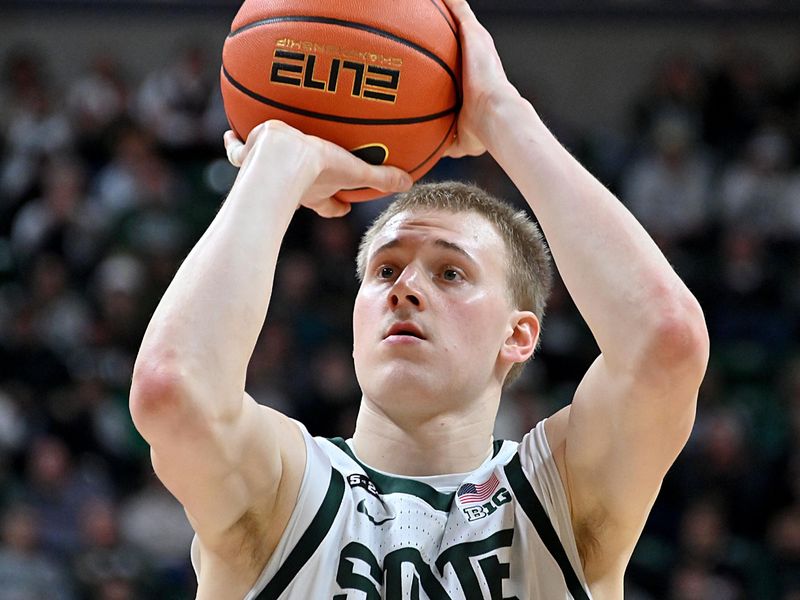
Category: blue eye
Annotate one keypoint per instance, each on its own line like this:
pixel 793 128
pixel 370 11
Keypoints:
pixel 451 275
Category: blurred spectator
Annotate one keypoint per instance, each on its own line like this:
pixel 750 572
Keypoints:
pixel 707 543
pixel 172 102
pixel 747 303
pixel 59 221
pixel 104 558
pixel 740 99
pixel 116 589
pixel 135 176
pixel 22 76
pixel 26 572
pixel 668 190
pixel 121 311
pixel 94 424
pixel 118 284
pixel 154 521
pixel 59 491
pixel 693 582
pixel 62 317
pixel 97 101
pixel 722 463
pixel 784 550
pixel 759 192
pixel 677 93
pixel 36 130
pixel 25 360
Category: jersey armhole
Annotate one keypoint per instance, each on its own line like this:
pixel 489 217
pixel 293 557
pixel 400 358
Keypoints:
pixel 313 487
pixel 310 497
pixel 539 468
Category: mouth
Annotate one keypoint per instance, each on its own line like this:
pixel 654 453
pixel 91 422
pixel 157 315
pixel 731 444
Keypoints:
pixel 404 329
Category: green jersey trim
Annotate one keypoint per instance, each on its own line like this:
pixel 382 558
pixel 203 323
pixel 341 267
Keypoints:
pixel 496 447
pixel 310 541
pixel 387 484
pixel 530 503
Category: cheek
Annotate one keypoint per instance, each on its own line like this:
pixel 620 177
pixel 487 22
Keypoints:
pixel 358 319
pixel 362 316
pixel 479 325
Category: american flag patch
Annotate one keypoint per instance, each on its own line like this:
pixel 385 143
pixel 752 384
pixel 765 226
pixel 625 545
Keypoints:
pixel 469 493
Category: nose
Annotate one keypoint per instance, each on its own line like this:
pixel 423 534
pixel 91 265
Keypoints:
pixel 407 290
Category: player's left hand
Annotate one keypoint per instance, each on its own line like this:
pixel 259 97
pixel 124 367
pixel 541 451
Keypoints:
pixel 319 168
pixel 484 82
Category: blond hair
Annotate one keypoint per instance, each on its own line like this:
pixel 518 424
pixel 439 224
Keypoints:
pixel 528 265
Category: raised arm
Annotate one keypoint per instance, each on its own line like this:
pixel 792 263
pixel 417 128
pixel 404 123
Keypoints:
pixel 223 456
pixel 634 410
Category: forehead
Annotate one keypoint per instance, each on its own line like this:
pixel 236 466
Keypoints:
pixel 469 230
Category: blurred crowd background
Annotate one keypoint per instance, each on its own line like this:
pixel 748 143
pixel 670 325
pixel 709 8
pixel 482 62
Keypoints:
pixel 108 178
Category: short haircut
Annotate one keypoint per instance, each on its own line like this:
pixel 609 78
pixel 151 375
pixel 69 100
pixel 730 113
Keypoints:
pixel 529 271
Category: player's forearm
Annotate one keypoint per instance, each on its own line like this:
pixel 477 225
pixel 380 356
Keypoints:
pixel 623 286
pixel 205 328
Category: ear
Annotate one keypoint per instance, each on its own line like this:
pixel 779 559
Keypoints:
pixel 523 336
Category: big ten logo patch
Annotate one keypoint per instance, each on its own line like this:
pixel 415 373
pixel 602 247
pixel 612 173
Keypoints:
pixel 481 511
pixel 479 500
pixel 329 68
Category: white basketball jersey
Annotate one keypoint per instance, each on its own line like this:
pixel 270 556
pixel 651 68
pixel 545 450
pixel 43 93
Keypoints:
pixel 501 532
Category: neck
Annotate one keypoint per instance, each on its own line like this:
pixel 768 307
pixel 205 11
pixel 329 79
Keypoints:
pixel 436 445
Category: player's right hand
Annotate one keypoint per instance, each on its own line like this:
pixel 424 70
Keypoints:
pixel 312 167
pixel 484 84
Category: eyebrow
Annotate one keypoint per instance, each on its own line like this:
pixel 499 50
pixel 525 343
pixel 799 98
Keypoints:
pixel 440 243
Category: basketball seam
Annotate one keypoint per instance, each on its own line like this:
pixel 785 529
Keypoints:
pixel 444 16
pixel 335 118
pixel 432 154
pixel 420 165
pixel 352 25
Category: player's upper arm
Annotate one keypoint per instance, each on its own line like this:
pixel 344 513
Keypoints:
pixel 221 469
pixel 621 434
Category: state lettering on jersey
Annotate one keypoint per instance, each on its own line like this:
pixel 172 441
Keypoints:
pixel 404 573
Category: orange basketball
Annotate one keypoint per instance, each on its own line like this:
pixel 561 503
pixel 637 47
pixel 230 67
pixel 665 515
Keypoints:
pixel 380 78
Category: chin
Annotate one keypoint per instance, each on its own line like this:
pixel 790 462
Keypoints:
pixel 400 383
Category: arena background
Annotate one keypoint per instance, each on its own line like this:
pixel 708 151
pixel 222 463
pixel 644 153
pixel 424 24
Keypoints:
pixel 111 165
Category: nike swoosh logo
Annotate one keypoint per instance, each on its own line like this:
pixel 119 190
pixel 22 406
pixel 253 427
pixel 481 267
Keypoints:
pixel 360 507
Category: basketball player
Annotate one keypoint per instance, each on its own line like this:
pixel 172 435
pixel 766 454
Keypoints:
pixel 422 502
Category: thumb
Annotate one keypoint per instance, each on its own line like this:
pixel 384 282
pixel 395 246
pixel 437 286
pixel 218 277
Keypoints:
pixel 234 148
